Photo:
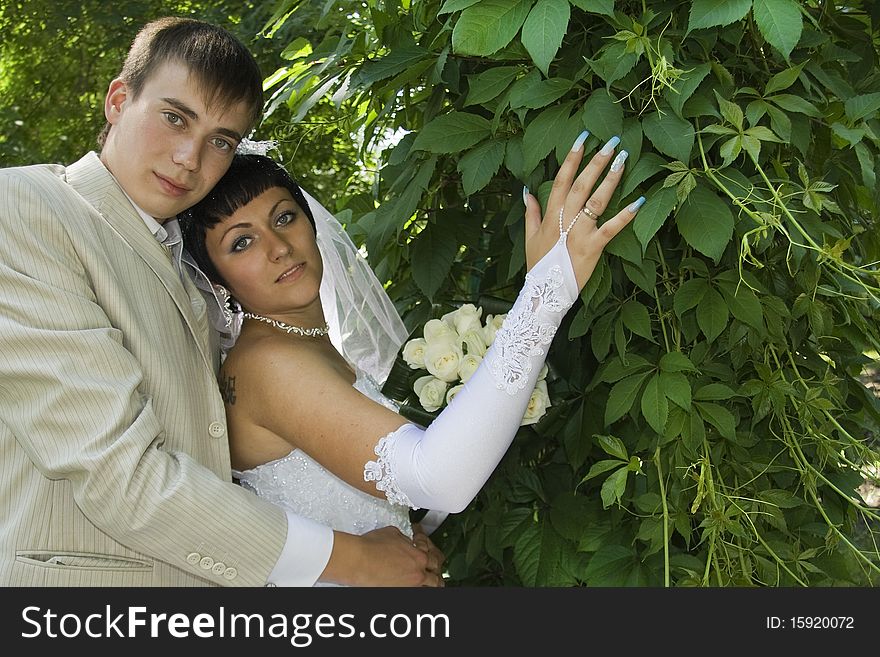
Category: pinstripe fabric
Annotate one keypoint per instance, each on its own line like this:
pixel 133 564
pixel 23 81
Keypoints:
pixel 110 474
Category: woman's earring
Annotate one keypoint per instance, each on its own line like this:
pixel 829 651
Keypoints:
pixel 225 300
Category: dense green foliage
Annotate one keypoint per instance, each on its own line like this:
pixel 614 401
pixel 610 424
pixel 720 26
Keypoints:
pixel 708 427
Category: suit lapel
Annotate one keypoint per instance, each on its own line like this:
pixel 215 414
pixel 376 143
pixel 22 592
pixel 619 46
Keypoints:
pixel 97 186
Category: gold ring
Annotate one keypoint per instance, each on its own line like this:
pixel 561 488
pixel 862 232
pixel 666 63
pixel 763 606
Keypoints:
pixel 592 215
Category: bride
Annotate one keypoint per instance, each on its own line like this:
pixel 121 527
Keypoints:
pixel 314 334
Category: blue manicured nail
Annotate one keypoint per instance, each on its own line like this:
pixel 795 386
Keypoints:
pixel 608 148
pixel 617 165
pixel 525 195
pixel 579 142
pixel 635 205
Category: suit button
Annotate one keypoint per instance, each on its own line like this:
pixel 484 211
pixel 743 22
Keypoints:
pixel 193 558
pixel 206 563
pixel 216 429
pixel 218 568
pixel 230 573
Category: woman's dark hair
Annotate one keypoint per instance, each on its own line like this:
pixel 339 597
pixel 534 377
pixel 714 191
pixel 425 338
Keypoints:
pixel 248 177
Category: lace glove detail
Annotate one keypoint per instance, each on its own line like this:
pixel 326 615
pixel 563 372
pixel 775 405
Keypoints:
pixel 444 466
pixel 382 473
pixel 527 330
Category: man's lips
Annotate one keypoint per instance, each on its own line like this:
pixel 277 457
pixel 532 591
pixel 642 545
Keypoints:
pixel 291 274
pixel 172 187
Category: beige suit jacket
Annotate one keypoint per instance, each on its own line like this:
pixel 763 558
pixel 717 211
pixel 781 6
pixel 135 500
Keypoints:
pixel 114 460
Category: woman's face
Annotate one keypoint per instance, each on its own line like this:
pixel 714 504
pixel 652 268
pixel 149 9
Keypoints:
pixel 267 253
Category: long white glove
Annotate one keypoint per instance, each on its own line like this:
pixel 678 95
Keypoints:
pixel 444 466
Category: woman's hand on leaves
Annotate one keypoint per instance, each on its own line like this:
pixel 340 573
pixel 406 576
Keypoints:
pixel 581 203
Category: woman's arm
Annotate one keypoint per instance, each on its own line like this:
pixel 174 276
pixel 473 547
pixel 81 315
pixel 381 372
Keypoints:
pixel 294 394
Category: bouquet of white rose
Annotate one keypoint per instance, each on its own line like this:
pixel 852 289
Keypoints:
pixel 450 351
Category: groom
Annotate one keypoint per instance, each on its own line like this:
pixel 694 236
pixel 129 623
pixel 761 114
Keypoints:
pixel 114 461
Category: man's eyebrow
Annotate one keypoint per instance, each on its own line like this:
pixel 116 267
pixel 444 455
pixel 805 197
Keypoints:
pixel 183 108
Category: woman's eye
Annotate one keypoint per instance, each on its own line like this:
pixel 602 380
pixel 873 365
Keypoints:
pixel 222 144
pixel 286 218
pixel 241 243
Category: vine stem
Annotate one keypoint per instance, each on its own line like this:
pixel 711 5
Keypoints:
pixel 665 517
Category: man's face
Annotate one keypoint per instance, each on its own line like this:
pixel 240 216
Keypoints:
pixel 167 147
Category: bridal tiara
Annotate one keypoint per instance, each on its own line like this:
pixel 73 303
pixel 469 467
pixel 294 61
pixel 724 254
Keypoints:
pixel 250 147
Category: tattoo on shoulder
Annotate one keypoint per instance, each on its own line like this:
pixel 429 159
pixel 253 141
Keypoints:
pixel 227 389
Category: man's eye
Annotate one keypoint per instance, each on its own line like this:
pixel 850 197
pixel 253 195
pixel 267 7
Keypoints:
pixel 173 119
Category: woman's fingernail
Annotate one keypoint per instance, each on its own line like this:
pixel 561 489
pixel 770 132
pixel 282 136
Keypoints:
pixel 608 148
pixel 635 205
pixel 579 142
pixel 525 195
pixel 617 165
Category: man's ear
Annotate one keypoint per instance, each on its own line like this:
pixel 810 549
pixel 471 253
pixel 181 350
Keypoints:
pixel 117 94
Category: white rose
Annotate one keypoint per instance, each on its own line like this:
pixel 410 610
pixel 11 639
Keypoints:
pixel 453 392
pixel 414 353
pixel 469 365
pixel 474 342
pixel 431 392
pixel 539 402
pixel 465 319
pixel 442 359
pixel 493 323
pixel 543 373
pixel 436 330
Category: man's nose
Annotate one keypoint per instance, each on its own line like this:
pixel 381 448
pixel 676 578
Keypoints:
pixel 188 154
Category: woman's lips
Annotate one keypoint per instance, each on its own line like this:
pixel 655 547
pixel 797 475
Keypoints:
pixel 291 274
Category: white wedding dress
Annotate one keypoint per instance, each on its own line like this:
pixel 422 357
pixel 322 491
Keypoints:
pixel 301 485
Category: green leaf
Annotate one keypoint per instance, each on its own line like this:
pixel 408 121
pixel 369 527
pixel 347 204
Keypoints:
pixel 646 166
pixel 489 84
pixel 452 133
pixel 709 13
pixel 432 256
pixel 780 23
pixel 512 524
pixel 795 104
pixel 685 87
pixel 612 445
pixel 603 115
pixel 653 213
pixel 712 314
pixel 544 131
pixel 719 417
pixel 655 407
pixel 456 5
pixel 713 392
pixel 783 80
pixel 543 30
pixel 604 7
pixel 612 565
pixel 614 62
pixel 636 318
pixel 675 361
pixel 730 111
pixel 395 62
pixel 479 165
pixel 677 388
pixel 705 222
pixel 670 134
pixel 688 295
pixel 622 396
pixel 601 467
pixel 850 135
pixel 531 92
pixel 488 26
pixel 527 554
pixel 614 487
pixel 860 107
pixel 743 304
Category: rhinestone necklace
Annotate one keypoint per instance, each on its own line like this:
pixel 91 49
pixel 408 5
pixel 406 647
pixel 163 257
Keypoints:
pixel 289 328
